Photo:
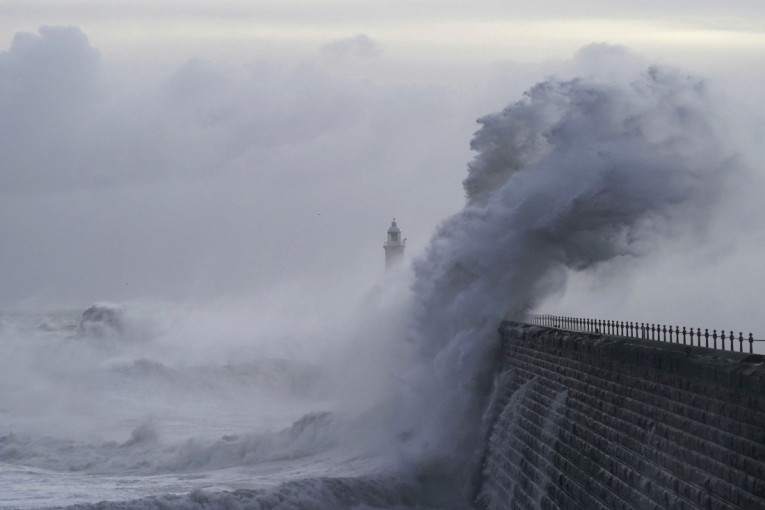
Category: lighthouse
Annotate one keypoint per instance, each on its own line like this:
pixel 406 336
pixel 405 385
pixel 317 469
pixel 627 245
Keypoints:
pixel 394 246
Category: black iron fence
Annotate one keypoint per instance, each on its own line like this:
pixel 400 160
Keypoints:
pixel 659 332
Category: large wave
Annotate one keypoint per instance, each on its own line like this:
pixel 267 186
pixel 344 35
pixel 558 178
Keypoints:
pixel 577 174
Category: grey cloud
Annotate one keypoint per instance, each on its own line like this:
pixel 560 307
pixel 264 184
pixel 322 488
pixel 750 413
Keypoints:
pixel 209 180
pixel 358 46
pixel 48 82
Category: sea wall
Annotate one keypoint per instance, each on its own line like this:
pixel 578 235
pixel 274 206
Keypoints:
pixel 588 421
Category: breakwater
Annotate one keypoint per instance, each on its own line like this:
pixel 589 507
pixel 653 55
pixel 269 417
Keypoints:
pixel 591 421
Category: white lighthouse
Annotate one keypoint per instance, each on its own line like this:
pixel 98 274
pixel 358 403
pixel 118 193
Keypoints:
pixel 394 246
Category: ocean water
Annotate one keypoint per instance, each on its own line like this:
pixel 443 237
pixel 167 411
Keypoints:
pixel 104 407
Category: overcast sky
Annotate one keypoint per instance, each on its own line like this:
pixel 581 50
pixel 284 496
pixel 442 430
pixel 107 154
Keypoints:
pixel 190 149
pixel 422 31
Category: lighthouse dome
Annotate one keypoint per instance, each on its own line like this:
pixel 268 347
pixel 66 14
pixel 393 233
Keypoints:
pixel 394 228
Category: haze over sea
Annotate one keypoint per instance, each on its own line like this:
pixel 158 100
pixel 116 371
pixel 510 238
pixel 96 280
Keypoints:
pixel 194 311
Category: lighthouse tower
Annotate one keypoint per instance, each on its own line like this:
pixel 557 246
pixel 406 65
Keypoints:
pixel 394 246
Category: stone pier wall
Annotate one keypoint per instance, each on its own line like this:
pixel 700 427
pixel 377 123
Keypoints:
pixel 586 421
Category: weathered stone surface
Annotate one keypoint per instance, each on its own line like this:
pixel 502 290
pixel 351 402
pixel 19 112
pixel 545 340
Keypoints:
pixel 594 421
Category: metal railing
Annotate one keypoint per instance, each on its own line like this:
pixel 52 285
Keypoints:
pixel 647 331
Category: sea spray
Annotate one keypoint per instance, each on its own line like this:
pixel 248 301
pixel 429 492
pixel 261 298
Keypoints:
pixel 250 406
pixel 577 174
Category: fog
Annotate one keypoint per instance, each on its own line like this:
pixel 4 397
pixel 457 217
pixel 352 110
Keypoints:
pixel 208 180
pixel 225 197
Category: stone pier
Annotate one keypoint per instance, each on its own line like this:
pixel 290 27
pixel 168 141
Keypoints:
pixel 589 421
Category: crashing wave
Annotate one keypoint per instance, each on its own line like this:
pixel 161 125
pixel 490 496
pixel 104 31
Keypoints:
pixel 102 319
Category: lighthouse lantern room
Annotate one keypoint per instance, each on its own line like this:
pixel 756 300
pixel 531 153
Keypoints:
pixel 394 246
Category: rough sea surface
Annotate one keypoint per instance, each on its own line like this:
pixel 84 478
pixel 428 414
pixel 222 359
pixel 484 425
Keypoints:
pixel 103 408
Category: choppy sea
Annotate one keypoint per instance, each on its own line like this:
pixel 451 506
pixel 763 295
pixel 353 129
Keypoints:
pixel 113 408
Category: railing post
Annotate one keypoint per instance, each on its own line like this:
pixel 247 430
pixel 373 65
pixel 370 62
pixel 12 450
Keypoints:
pixel 751 344
pixel 698 336
pixel 683 336
pixel 664 331
pixel 731 341
pixel 740 341
pixel 706 338
pixel 714 339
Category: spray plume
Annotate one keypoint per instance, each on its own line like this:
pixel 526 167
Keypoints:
pixel 575 175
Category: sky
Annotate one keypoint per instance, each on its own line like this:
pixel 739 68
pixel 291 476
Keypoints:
pixel 181 150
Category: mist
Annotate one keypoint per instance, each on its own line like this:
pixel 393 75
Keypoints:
pixel 207 180
pixel 230 219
